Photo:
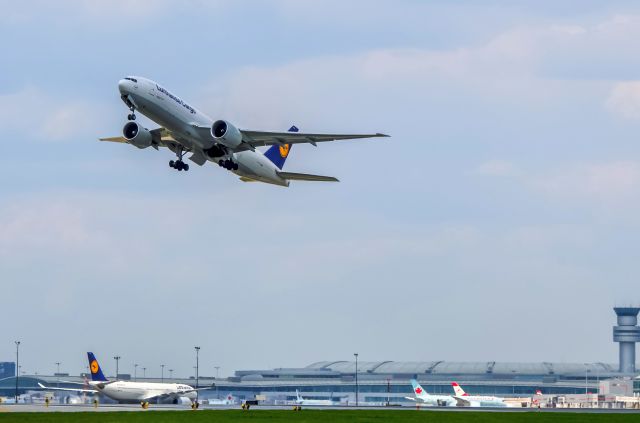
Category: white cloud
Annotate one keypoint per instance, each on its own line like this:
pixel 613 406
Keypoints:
pixel 624 99
pixel 613 186
pixel 34 113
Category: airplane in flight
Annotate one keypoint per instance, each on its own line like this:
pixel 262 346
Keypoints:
pixel 424 398
pixel 131 392
pixel 466 400
pixel 183 129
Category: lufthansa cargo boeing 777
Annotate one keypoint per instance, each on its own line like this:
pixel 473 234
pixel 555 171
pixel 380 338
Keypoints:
pixel 187 130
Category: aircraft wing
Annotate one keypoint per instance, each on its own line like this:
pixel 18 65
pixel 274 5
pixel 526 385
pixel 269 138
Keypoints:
pixel 51 388
pixel 252 139
pixel 162 137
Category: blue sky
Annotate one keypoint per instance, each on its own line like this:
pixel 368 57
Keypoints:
pixel 506 199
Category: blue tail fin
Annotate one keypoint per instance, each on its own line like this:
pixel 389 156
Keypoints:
pixel 278 153
pixel 96 371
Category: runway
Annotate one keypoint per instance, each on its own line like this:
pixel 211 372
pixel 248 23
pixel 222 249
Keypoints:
pixel 41 408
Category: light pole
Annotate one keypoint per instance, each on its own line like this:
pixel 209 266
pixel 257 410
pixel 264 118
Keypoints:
pixel 17 367
pixel 57 363
pixel 356 356
pixel 197 364
pixel 135 371
pixel 171 373
pixel 162 373
pixel 217 395
pixel 586 375
pixel 117 359
pixel 144 372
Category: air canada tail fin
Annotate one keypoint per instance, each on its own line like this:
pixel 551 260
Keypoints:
pixel 417 389
pixel 458 390
pixel 298 397
pixel 278 153
pixel 96 371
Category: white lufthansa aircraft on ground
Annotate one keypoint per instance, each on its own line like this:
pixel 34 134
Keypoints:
pixel 132 392
pixel 466 400
pixel 187 130
pixel 424 398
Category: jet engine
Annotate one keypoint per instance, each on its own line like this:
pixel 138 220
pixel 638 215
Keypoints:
pixel 137 135
pixel 226 134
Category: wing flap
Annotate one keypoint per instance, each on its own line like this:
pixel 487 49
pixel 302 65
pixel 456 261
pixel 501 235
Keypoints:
pixel 306 177
pixel 198 158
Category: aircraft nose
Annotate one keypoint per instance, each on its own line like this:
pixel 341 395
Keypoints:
pixel 123 86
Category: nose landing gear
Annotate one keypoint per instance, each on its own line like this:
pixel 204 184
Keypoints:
pixel 132 115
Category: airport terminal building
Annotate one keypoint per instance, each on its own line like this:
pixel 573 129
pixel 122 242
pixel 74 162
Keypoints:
pixel 382 382
pixel 389 381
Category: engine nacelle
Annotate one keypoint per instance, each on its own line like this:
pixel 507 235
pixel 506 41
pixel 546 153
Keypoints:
pixel 137 135
pixel 226 134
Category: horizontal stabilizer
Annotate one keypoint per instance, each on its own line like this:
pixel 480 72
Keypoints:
pixel 305 177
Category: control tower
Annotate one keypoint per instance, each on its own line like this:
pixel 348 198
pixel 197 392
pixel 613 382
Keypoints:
pixel 627 333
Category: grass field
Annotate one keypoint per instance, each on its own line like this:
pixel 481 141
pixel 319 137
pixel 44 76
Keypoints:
pixel 313 416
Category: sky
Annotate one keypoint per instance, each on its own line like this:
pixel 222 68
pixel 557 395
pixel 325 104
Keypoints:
pixel 499 221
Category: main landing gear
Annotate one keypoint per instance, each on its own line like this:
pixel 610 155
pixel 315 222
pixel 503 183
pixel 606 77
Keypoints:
pixel 179 164
pixel 228 164
pixel 132 115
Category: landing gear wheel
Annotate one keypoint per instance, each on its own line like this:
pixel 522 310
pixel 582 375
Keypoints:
pixel 185 166
pixel 131 116
pixel 172 163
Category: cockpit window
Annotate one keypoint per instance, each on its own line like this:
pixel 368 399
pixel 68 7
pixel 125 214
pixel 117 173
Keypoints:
pixel 131 79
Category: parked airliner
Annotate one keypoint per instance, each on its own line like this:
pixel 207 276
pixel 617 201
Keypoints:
pixel 424 398
pixel 466 400
pixel 303 401
pixel 131 392
pixel 184 129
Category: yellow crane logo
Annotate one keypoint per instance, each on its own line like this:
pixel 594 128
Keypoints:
pixel 284 151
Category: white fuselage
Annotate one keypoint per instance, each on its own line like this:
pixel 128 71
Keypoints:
pixel 484 401
pixel 169 111
pixel 125 391
pixel 435 400
pixel 314 402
